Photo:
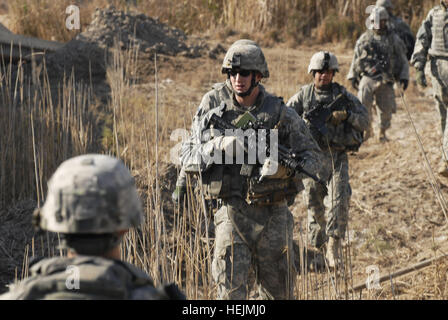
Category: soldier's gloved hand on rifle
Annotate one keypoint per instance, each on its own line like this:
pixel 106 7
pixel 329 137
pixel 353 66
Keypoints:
pixel 355 83
pixel 404 84
pixel 228 144
pixel 421 79
pixel 179 194
pixel 273 170
pixel 338 116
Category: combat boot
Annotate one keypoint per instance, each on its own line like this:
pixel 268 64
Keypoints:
pixel 443 169
pixel 382 136
pixel 332 255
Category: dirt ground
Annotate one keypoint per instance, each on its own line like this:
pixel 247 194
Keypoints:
pixel 396 216
pixel 397 207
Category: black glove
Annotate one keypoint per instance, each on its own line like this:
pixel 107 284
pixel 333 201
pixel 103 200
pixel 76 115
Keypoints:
pixel 404 84
pixel 355 83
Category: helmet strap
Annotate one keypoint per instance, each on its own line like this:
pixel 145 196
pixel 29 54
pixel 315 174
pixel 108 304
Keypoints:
pixel 253 84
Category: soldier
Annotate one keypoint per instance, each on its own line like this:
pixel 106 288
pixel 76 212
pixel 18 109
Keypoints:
pixel 253 226
pixel 180 190
pixel 400 27
pixel 92 202
pixel 343 133
pixel 379 60
pixel 432 42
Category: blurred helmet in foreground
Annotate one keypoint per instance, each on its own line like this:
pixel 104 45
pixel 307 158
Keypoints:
pixel 91 194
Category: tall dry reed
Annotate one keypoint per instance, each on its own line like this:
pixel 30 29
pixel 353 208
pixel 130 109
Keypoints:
pixel 41 125
pixel 299 20
pixel 173 245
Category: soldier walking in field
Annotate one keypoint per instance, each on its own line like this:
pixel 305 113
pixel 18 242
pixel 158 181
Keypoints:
pixel 339 130
pixel 253 226
pixel 432 43
pixel 398 26
pixel 92 202
pixel 379 60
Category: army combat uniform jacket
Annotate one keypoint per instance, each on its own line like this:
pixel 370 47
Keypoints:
pixel 378 61
pixel 85 277
pixel 340 137
pixel 268 109
pixel 379 57
pixel 334 170
pixel 253 226
pixel 432 43
pixel 403 31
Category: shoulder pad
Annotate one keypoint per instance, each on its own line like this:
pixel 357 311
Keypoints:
pixel 218 85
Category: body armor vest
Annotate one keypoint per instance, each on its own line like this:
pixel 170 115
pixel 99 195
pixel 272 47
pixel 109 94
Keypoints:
pixel 340 138
pixel 99 278
pixel 226 180
pixel 439 30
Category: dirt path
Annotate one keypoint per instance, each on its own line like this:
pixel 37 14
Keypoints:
pixel 395 217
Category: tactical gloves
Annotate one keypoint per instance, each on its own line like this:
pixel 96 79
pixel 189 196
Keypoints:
pixel 228 144
pixel 355 83
pixel 421 79
pixel 338 116
pixel 273 170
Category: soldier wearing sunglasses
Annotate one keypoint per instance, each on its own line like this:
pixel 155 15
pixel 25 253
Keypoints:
pixel 253 226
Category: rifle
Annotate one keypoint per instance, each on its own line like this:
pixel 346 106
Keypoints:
pixel 319 115
pixel 381 58
pixel 286 157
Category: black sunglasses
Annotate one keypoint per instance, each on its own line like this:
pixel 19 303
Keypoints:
pixel 243 73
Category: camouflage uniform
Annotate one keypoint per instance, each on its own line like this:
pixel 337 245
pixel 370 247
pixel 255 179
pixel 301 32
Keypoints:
pixel 91 201
pixel 400 27
pixel 100 279
pixel 378 61
pixel 432 42
pixel 253 226
pixel 334 169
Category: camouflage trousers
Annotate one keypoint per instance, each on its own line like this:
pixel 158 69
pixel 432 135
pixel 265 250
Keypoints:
pixel 328 212
pixel 265 246
pixel 439 79
pixel 382 94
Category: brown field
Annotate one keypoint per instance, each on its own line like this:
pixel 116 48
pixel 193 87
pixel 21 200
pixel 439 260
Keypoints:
pixel 398 214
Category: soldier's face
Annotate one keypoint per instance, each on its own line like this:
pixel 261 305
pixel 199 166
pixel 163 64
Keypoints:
pixel 382 26
pixel 323 78
pixel 241 79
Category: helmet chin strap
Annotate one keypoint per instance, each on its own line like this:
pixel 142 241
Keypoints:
pixel 253 84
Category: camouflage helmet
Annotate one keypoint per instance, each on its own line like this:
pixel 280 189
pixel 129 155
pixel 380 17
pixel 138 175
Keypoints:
pixel 379 13
pixel 91 194
pixel 385 3
pixel 245 54
pixel 323 60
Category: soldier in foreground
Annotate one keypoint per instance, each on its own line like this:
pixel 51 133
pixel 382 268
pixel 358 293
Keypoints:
pixel 398 26
pixel 379 60
pixel 253 226
pixel 432 42
pixel 92 202
pixel 339 130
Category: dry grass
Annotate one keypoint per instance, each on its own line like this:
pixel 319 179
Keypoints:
pixel 391 201
pixel 292 21
pixel 42 124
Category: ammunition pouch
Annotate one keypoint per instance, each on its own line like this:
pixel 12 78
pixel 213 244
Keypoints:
pixel 274 191
pixel 345 138
pixel 221 181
